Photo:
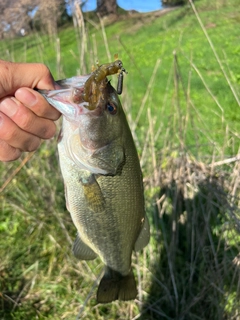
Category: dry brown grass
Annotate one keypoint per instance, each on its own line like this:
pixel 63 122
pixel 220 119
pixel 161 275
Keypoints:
pixel 196 220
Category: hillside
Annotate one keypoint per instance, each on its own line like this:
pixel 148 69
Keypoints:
pixel 181 96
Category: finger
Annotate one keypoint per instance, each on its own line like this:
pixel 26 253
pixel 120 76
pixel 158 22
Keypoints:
pixel 8 153
pixel 26 119
pixel 37 103
pixel 17 75
pixel 16 137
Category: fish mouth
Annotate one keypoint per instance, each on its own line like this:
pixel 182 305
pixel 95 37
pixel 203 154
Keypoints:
pixel 78 95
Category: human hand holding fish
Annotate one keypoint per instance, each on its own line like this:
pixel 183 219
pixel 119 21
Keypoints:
pixel 25 116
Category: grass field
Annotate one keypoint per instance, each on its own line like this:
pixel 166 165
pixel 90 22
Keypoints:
pixel 181 96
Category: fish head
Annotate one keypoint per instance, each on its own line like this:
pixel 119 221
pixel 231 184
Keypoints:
pixel 93 121
pixel 100 132
pixel 102 125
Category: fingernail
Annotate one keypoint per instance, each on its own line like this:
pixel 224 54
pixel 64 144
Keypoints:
pixel 26 97
pixel 9 107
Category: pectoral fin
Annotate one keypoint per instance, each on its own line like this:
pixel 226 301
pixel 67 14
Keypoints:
pixel 92 192
pixel 82 251
pixel 143 237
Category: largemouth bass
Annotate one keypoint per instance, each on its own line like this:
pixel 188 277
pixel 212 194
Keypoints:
pixel 102 177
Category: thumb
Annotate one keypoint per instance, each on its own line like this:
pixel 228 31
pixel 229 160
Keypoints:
pixel 16 75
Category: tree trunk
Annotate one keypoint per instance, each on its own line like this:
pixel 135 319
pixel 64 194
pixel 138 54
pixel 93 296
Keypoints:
pixel 106 7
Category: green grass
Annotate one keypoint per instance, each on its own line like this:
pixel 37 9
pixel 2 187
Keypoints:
pixel 190 270
pixel 139 43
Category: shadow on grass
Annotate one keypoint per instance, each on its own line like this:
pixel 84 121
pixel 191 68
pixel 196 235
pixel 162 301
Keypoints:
pixel 16 300
pixel 13 290
pixel 196 275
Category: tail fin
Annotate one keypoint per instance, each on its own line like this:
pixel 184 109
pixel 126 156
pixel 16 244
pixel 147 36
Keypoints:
pixel 114 286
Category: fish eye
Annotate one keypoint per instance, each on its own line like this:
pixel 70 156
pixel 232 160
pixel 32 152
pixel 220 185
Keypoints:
pixel 111 108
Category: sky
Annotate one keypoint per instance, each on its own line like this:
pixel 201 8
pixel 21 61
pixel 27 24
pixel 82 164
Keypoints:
pixel 139 5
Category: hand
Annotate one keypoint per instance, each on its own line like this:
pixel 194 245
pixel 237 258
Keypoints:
pixel 25 116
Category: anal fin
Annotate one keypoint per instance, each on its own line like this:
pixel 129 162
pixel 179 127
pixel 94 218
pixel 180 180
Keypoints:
pixel 82 251
pixel 144 236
